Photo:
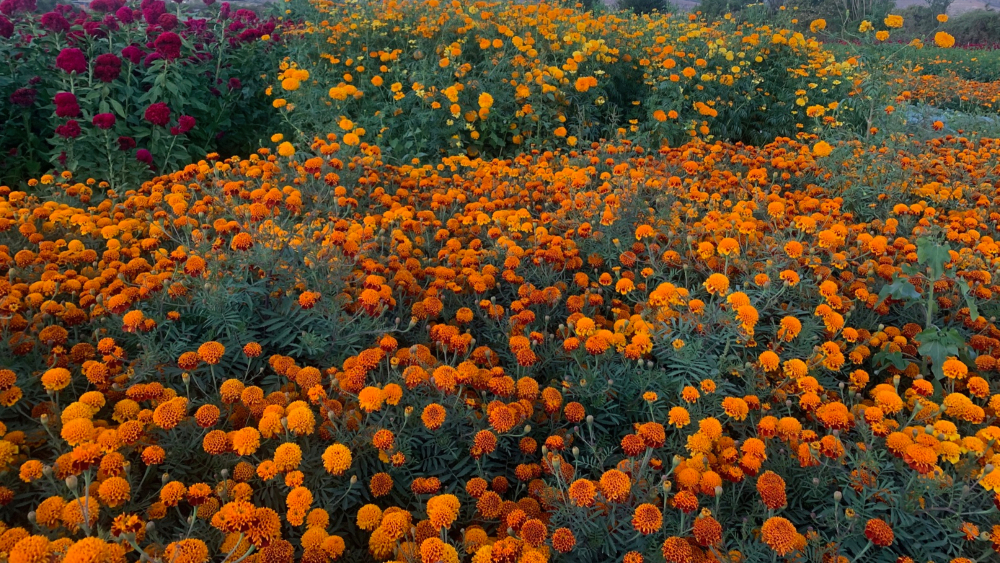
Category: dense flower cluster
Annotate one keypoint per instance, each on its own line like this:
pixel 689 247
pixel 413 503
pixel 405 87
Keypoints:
pixel 478 77
pixel 497 360
pixel 600 351
pixel 118 61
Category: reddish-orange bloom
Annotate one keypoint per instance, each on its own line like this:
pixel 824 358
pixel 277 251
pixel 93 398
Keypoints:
pixel 879 532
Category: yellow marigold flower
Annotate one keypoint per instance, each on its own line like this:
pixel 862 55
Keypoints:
pixel 287 457
pixel 369 517
pixel 56 379
pixel 32 549
pixel 944 40
pixel 337 459
pixel 286 149
pixel 717 284
pixel 893 21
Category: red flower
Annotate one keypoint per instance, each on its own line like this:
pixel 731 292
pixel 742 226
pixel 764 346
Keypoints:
pixel 107 67
pixel 168 44
pixel 66 105
pixel 158 114
pixel 69 130
pixel 71 60
pixel 104 120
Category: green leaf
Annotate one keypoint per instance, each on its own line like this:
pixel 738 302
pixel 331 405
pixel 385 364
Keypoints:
pixel 933 255
pixel 900 289
pixel 938 345
pixel 883 357
pixel 119 109
pixel 967 293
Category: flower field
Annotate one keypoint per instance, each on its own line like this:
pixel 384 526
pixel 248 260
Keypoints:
pixel 508 283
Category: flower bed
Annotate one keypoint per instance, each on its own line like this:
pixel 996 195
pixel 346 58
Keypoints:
pixel 712 352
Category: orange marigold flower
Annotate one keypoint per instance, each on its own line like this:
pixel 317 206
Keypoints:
pixel 287 457
pixel 582 492
pixel 707 531
pixel 615 485
pixel 252 350
pixel 647 519
pixel 211 352
pixel 380 484
pixel 779 534
pixel 56 379
pixel 114 491
pixel 685 501
pixel 190 550
pixel 533 532
pixel 32 549
pixel 717 284
pixel 879 532
pixel 677 550
pixel 442 510
pixel 771 487
pixel 735 408
pixel 337 459
pixel 563 540
pixel 678 417
pixel 433 416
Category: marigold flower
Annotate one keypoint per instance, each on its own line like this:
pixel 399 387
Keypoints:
pixel 211 352
pixel 779 534
pixel 191 550
pixel 56 379
pixel 442 510
pixel 114 491
pixel 647 519
pixel 707 531
pixel 615 485
pixel 32 549
pixel 337 459
pixel 879 532
pixel 676 550
pixel 771 488
pixel 717 284
pixel 380 484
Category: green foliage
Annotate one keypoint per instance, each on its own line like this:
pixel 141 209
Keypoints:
pixel 646 6
pixel 718 8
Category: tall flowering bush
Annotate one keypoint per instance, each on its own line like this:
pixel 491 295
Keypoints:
pixel 713 352
pixel 492 78
pixel 117 89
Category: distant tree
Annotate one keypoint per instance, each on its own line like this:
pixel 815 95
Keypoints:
pixel 646 6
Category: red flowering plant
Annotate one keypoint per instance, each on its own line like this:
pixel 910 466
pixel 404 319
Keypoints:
pixel 118 90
